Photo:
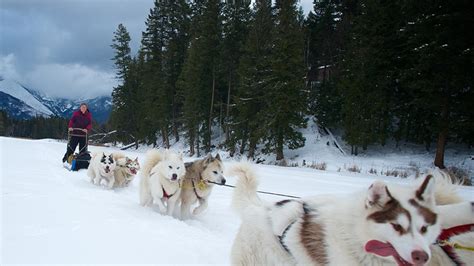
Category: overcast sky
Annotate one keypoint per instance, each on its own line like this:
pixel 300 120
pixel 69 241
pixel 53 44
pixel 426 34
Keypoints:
pixel 62 47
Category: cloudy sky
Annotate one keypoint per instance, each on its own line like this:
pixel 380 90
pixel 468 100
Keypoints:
pixel 62 47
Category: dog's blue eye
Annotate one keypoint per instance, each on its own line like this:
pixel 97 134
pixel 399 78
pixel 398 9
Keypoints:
pixel 169 166
pixel 178 168
pixel 215 172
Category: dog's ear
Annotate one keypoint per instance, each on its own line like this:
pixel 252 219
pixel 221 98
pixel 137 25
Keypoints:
pixel 426 190
pixel 208 159
pixel 136 159
pixel 377 195
pixel 218 157
pixel 164 153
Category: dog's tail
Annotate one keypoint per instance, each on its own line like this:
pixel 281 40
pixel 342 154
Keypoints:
pixel 118 155
pixel 93 154
pixel 446 188
pixel 152 158
pixel 245 193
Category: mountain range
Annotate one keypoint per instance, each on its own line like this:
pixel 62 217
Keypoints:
pixel 20 102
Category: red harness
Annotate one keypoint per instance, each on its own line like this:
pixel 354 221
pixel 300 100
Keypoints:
pixel 446 234
pixel 165 195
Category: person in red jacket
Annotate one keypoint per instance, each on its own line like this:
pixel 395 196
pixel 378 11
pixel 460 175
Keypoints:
pixel 79 125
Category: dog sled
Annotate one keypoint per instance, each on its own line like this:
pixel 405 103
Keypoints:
pixel 81 159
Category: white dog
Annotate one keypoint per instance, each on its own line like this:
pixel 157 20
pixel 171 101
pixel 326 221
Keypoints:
pixel 102 166
pixel 384 225
pixel 160 180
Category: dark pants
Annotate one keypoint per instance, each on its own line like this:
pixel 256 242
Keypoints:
pixel 71 147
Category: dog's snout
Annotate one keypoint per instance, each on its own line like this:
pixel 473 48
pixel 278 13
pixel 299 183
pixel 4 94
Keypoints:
pixel 174 176
pixel 223 181
pixel 419 257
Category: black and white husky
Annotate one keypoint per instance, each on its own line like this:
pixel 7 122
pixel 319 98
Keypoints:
pixel 384 225
pixel 102 167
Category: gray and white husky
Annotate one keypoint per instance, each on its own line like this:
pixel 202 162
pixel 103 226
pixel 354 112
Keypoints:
pixel 101 167
pixel 201 175
pixel 385 225
pixel 126 169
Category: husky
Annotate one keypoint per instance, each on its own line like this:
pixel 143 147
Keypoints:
pixel 125 170
pixel 102 166
pixel 160 180
pixel 384 225
pixel 201 175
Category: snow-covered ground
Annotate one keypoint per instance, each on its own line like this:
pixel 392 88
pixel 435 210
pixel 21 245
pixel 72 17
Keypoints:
pixel 50 215
pixel 405 159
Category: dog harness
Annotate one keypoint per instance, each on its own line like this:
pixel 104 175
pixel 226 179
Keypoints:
pixel 165 195
pixel 448 247
pixel 281 238
pixel 200 185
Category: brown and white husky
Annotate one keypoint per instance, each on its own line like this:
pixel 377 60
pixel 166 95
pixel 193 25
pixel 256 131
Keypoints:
pixel 385 225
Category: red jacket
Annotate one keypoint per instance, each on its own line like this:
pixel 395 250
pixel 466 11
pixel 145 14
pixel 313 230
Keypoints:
pixel 81 120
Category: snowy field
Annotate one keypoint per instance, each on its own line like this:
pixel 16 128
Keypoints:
pixel 52 216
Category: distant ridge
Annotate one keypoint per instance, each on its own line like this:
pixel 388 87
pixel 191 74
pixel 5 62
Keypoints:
pixel 21 102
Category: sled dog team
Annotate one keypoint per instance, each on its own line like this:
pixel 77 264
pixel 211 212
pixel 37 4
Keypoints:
pixel 166 181
pixel 386 224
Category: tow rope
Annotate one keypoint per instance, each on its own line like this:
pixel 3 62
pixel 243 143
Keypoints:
pixel 259 191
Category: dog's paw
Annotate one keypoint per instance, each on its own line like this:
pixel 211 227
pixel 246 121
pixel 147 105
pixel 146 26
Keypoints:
pixel 161 209
pixel 198 210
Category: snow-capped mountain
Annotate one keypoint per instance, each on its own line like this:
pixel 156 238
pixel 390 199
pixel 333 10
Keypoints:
pixel 24 103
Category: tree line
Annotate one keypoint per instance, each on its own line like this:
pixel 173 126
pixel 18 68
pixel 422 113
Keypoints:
pixel 40 127
pixel 250 75
pixel 35 128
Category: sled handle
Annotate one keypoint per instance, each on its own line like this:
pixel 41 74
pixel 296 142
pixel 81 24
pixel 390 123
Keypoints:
pixel 77 135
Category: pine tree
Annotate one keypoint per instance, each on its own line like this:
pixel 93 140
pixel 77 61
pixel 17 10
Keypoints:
pixel 176 44
pixel 3 123
pixel 370 76
pixel 198 80
pixel 323 30
pixel 156 111
pixel 121 45
pixel 120 116
pixel 440 50
pixel 286 101
pixel 254 74
pixel 236 16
